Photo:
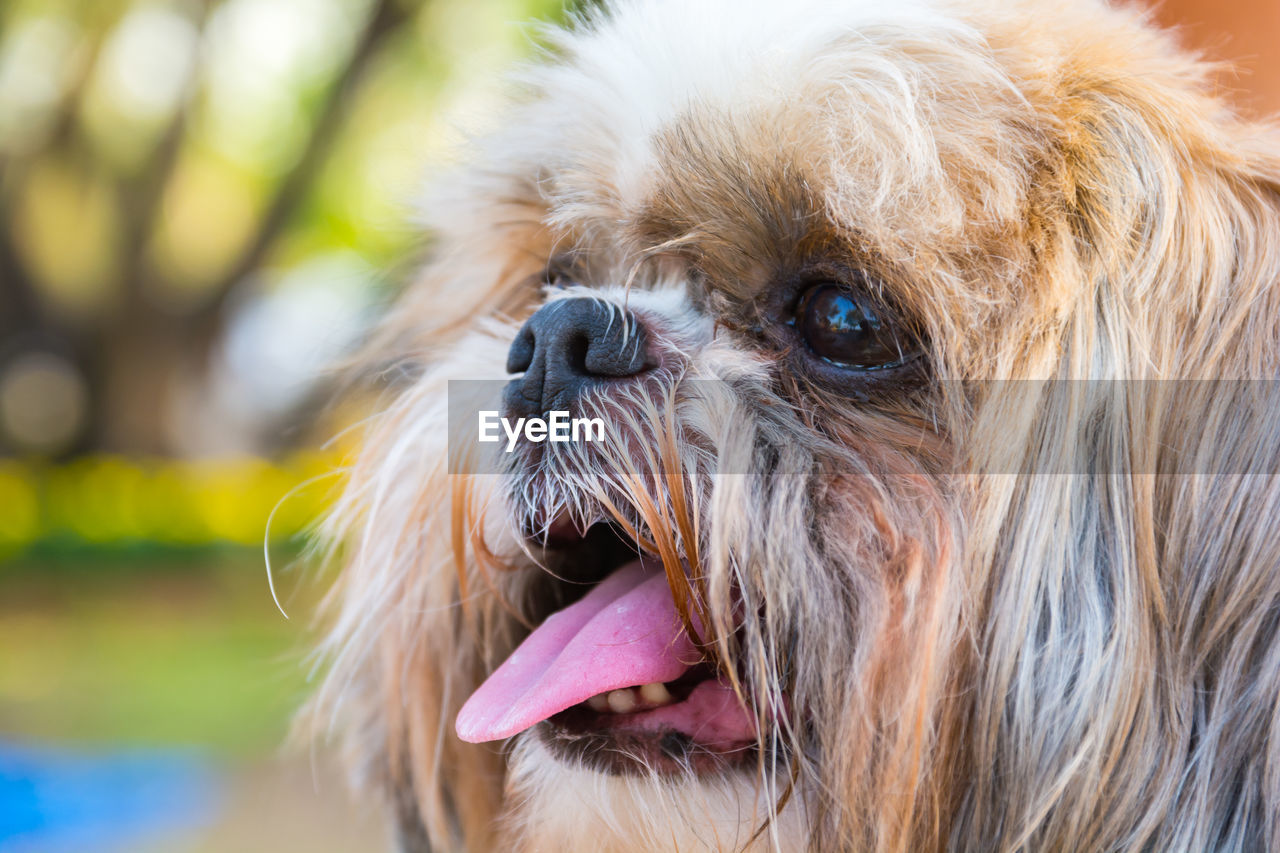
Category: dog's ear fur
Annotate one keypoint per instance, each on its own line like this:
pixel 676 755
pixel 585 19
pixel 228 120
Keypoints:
pixel 409 632
pixel 1126 673
pixel 489 250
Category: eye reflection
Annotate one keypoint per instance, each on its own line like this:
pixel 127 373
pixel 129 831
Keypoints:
pixel 849 329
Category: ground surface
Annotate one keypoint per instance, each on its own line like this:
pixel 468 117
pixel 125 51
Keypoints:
pixel 107 657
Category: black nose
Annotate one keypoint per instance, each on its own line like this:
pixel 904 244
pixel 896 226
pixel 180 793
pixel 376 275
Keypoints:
pixel 566 347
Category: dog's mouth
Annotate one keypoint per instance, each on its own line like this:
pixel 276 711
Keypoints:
pixel 614 676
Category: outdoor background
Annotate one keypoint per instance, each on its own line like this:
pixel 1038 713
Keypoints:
pixel 203 203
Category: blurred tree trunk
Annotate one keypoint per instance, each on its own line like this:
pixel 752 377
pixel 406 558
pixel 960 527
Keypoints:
pixel 147 356
pixel 19 308
pixel 138 355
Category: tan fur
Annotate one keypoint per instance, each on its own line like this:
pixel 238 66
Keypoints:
pixel 983 650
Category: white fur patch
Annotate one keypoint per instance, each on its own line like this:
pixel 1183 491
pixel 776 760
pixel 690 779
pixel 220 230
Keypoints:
pixel 653 61
pixel 556 800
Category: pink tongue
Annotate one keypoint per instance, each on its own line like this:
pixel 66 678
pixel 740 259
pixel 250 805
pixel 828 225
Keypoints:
pixel 624 632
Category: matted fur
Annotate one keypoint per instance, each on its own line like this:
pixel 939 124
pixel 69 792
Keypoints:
pixel 971 659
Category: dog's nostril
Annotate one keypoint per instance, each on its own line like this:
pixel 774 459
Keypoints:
pixel 567 346
pixel 520 356
pixel 575 353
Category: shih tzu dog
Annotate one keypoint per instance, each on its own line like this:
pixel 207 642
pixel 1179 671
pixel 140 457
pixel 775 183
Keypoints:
pixel 927 493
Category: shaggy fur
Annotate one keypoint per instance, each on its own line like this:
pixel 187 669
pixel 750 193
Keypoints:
pixel 979 649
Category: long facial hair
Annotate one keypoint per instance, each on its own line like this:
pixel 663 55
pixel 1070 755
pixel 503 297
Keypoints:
pixel 974 655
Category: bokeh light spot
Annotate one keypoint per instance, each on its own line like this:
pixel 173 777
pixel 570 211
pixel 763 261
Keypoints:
pixel 35 66
pixel 44 403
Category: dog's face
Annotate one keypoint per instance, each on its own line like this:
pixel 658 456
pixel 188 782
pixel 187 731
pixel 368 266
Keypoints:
pixel 822 586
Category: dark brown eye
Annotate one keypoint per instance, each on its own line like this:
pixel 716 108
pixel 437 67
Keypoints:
pixel 850 329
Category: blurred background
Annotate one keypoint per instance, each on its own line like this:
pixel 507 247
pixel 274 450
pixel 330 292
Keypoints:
pixel 203 204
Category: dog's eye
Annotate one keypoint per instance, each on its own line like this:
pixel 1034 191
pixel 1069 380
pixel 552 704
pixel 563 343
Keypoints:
pixel 850 330
pixel 559 272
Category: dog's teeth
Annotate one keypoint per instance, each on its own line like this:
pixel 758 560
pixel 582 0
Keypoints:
pixel 622 701
pixel 655 693
pixel 599 702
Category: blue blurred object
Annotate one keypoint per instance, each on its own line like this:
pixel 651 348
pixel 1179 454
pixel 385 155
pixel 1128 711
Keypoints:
pixel 57 801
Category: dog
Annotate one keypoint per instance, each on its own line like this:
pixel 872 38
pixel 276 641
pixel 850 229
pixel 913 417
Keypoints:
pixel 936 506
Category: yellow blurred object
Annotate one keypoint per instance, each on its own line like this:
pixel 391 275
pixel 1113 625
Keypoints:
pixel 108 501
pixel 66 223
pixel 209 211
pixel 20 521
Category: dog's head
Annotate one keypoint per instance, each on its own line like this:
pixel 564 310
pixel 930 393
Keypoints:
pixel 844 571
